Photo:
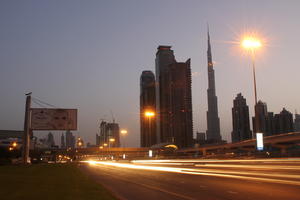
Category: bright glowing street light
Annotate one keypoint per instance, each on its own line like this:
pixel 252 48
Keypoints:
pixel 149 114
pixel 112 139
pixel 251 43
pixel 14 144
pixel 105 144
pixel 123 133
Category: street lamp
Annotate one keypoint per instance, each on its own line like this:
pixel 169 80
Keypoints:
pixel 251 44
pixel 123 133
pixel 111 140
pixel 79 142
pixel 14 144
pixel 149 114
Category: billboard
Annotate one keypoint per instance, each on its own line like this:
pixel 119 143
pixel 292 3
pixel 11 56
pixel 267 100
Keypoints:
pixel 260 141
pixel 53 119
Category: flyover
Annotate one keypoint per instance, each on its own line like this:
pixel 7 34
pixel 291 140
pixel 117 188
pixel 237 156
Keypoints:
pixel 280 142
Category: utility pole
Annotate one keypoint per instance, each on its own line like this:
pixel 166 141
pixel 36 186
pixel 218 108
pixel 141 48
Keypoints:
pixel 26 136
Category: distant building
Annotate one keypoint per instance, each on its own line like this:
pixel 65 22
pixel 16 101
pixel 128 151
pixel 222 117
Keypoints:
pixel 262 113
pixel 174 123
pixel 70 140
pixel 271 124
pixel 109 134
pixel 265 120
pixel 297 123
pixel 62 141
pixel 283 122
pixel 50 140
pixel 147 104
pixel 200 138
pixel 240 120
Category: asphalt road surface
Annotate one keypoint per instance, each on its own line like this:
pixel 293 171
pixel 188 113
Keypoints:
pixel 273 179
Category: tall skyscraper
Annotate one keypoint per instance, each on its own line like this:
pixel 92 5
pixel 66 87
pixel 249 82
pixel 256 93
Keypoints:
pixel 173 99
pixel 164 57
pixel 147 104
pixel 62 141
pixel 213 121
pixel 180 105
pixel 240 120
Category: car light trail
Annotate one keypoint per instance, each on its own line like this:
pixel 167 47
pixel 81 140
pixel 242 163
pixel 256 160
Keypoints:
pixel 286 160
pixel 216 173
pixel 249 166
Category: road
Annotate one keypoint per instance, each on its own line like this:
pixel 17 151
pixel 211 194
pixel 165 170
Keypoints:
pixel 199 179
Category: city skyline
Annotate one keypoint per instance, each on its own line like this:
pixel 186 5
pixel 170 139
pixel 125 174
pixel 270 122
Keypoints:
pixel 72 67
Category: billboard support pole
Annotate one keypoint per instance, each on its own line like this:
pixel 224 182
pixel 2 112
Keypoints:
pixel 26 136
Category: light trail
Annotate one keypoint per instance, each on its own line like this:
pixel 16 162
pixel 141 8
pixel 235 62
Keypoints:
pixel 204 165
pixel 285 160
pixel 272 178
pixel 250 166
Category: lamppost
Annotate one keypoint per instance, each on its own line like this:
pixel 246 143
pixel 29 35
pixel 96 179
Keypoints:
pixel 251 43
pixel 123 133
pixel 104 146
pixel 111 140
pixel 149 114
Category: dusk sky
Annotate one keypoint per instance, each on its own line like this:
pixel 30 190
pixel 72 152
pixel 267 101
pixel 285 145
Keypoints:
pixel 89 55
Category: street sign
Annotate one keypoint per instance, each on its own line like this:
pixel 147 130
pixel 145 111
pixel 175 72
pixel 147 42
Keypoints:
pixel 260 141
pixel 53 119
